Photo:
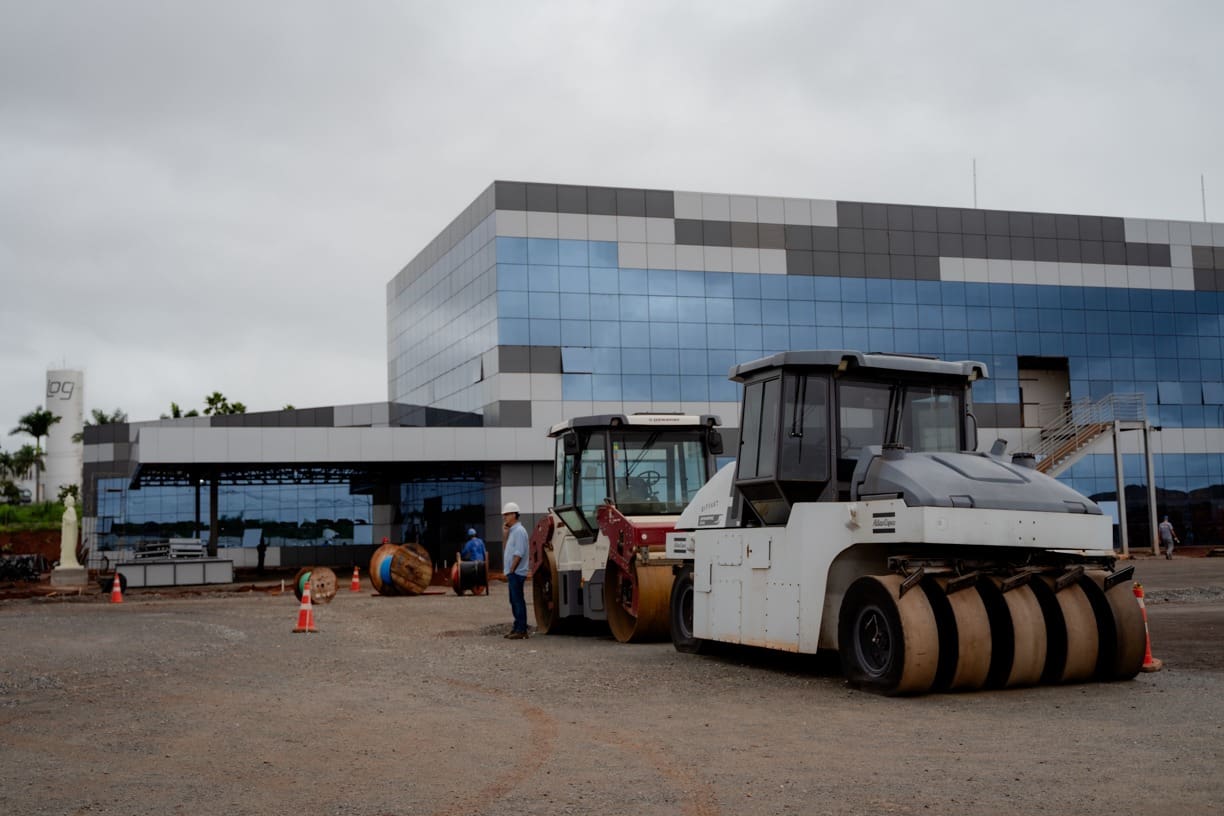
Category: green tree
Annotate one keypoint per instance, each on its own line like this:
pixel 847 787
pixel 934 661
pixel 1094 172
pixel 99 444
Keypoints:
pixel 100 417
pixel 218 405
pixel 177 413
pixel 37 424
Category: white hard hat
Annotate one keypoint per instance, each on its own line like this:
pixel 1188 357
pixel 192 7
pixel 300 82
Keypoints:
pixel 510 507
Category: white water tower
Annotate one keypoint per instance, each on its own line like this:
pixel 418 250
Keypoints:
pixel 64 458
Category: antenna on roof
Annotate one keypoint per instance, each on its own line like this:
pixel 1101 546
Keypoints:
pixel 975 183
pixel 1203 190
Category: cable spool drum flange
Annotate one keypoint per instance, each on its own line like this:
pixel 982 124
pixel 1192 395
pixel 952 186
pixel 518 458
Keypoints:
pixel 322 584
pixel 380 570
pixel 411 569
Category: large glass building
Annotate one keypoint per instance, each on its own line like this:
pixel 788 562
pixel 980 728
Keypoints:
pixel 541 302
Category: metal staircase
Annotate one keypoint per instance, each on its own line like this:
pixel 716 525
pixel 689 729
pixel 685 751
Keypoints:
pixel 1067 437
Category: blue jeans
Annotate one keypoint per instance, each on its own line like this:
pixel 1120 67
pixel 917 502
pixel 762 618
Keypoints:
pixel 518 601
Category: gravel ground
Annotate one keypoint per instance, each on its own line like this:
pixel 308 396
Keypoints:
pixel 166 705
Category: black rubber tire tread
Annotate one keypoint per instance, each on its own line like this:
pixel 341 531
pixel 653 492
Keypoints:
pixel 1017 635
pixel 1129 638
pixel 545 597
pixel 682 624
pixel 1080 630
pixel 910 631
pixel 1056 632
pixel 970 633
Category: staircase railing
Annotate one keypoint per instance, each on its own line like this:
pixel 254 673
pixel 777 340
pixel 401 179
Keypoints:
pixel 1066 437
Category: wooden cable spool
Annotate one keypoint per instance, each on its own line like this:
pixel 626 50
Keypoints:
pixel 380 570
pixel 411 569
pixel 322 584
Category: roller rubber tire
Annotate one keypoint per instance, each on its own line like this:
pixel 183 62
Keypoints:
pixel 546 596
pixel 1018 635
pixel 682 614
pixel 653 621
pixel 1071 621
pixel 1123 637
pixel 889 644
pixel 964 636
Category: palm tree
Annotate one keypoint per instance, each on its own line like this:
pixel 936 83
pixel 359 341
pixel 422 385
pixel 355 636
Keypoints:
pixel 219 405
pixel 177 413
pixel 37 424
pixel 100 417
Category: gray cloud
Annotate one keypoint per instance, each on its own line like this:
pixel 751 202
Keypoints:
pixel 212 196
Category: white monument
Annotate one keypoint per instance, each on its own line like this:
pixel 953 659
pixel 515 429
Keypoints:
pixel 64 457
pixel 69 572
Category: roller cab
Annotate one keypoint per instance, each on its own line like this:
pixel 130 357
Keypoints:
pixel 620 483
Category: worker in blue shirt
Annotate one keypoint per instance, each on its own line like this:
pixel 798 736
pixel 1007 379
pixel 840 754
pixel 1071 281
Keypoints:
pixel 473 548
pixel 514 565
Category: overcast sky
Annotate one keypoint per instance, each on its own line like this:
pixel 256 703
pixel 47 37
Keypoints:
pixel 212 196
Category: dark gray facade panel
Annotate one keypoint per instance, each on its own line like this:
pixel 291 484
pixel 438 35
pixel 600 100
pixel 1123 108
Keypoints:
pixel 1203 257
pixel 900 242
pixel 974 245
pixel 997 223
pixel 926 268
pixel 973 222
pixel 875 240
pixel 1020 225
pixel 1067 226
pixel 985 414
pixel 510 195
pixel 542 197
pixel 660 204
pixel 926 243
pixel 878 265
pixel 1218 256
pixel 688 232
pixel 771 236
pixel 1090 228
pixel 1204 280
pixel 514 414
pixel 824 239
pixel 545 359
pixel 744 234
pixel 517 474
pixel 716 233
pixel 1113 229
pixel 798 262
pixel 900 217
pixel 514 359
pixel 852 264
pixel 798 236
pixel 925 219
pixel 601 201
pixel 631 202
pixel 1159 255
pixel 571 199
pixel 1115 253
pixel 825 263
pixel 849 214
pixel 850 239
pixel 875 216
pixel 948 220
pixel 902 267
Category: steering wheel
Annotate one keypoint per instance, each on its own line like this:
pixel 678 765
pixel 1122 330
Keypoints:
pixel 650 477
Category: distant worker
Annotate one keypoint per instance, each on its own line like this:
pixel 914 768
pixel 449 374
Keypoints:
pixel 1168 537
pixel 514 564
pixel 473 548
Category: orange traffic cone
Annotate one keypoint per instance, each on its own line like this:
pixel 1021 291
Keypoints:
pixel 116 590
pixel 1150 664
pixel 356 585
pixel 305 621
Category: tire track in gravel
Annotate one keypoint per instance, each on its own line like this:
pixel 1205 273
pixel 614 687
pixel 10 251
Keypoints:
pixel 543 728
pixel 544 734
